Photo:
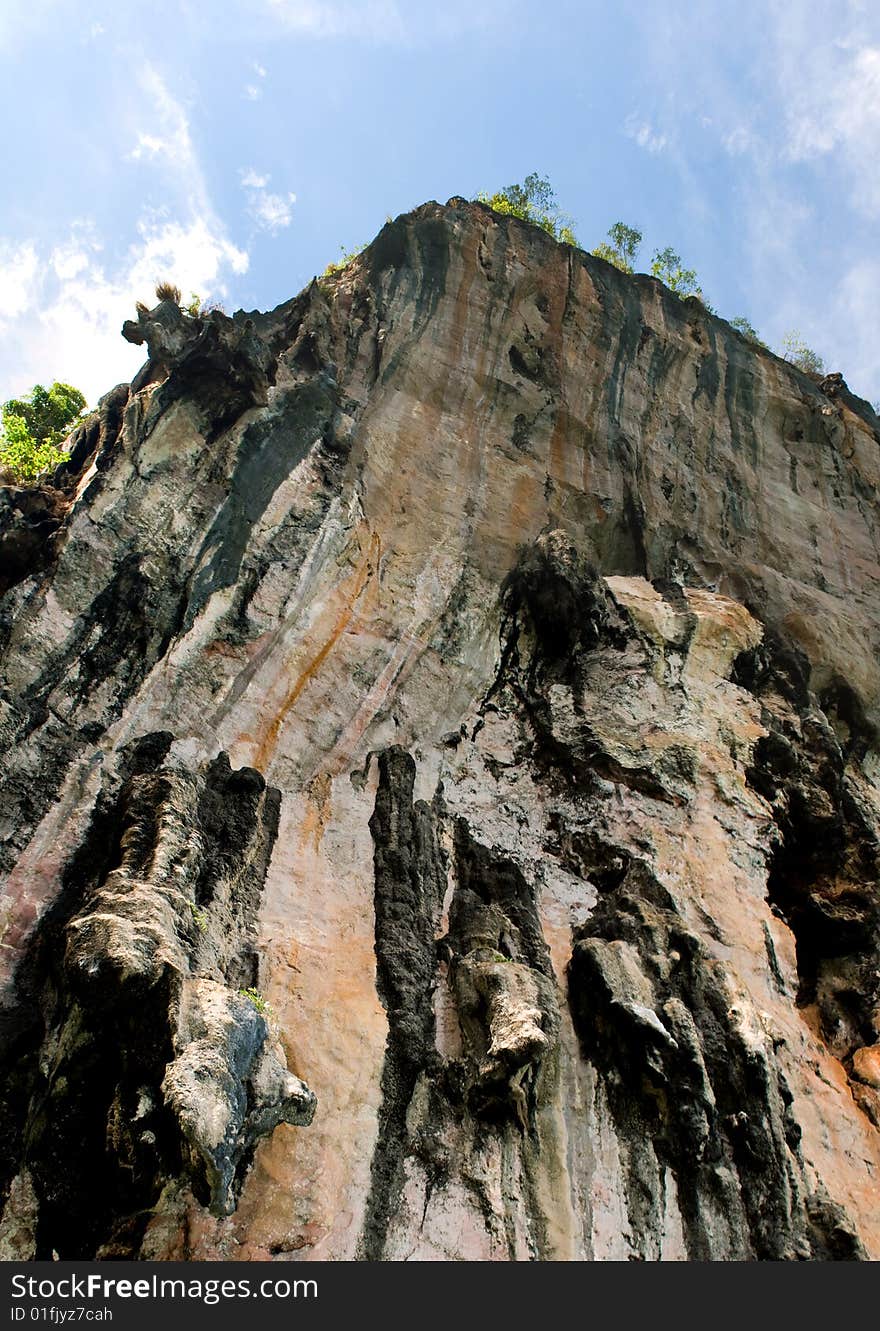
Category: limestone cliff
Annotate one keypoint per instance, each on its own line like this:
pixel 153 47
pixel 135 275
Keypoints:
pixel 475 660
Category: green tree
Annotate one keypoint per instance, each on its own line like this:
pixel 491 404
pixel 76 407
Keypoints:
pixel 624 247
pixel 742 325
pixel 796 352
pixel 533 201
pixel 666 265
pixel 35 427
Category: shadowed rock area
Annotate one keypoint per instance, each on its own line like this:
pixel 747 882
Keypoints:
pixel 441 787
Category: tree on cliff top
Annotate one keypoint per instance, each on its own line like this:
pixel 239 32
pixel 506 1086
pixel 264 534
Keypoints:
pixel 622 247
pixel 796 352
pixel 666 265
pixel 744 326
pixel 533 201
pixel 34 428
pixel 625 241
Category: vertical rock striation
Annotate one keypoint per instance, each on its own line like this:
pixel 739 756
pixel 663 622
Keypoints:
pixel 441 784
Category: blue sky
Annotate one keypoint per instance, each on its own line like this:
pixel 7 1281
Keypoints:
pixel 235 145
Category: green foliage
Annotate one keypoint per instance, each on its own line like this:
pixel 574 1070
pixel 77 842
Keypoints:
pixel 35 427
pixel 624 247
pixel 742 325
pixel 347 255
pixel 533 201
pixel 666 265
pixel 200 917
pixel 48 413
pixel 258 1001
pixel 796 352
pixel 197 308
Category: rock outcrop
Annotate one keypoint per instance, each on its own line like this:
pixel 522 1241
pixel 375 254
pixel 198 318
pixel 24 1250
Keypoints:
pixel 441 782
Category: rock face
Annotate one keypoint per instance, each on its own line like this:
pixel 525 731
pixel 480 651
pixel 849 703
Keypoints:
pixel 475 660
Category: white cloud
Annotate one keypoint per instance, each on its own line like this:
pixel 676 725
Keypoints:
pixel 63 301
pixel 70 258
pixel 191 255
pixel 645 135
pixel 271 212
pixel 823 116
pixel 849 327
pixel 253 91
pixel 68 307
pixel 168 135
pixel 251 180
pixel 18 274
pixel 830 95
pixel 148 145
pixel 794 103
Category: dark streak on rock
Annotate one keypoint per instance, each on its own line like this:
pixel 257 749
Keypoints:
pixel 409 885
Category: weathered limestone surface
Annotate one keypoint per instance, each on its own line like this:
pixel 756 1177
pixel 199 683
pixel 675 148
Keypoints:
pixel 476 658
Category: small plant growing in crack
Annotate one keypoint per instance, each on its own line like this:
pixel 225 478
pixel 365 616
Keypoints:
pixel 258 1001
pixel 199 917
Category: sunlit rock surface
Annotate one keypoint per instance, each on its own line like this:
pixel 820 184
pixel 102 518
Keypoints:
pixel 441 789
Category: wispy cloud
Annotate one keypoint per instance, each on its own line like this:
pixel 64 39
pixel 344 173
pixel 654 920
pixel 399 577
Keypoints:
pixel 645 135
pixel 253 90
pixel 148 145
pixel 792 103
pixel 271 212
pixel 75 254
pixel 65 302
pixel 850 326
pixel 832 107
pixel 18 273
pixel 169 135
pixel 63 310
pixel 828 99
pixel 65 292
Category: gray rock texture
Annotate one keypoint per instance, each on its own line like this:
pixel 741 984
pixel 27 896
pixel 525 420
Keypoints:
pixel 441 782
